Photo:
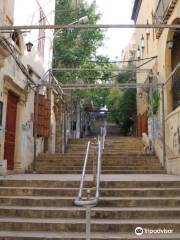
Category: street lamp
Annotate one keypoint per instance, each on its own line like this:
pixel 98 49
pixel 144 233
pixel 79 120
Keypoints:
pixel 170 44
pixel 147 30
pixel 83 19
pixel 29 46
pixel 142 42
pixel 138 53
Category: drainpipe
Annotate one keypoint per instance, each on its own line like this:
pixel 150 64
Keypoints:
pixel 163 128
pixel 35 126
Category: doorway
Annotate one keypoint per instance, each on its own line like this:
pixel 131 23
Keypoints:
pixel 10 131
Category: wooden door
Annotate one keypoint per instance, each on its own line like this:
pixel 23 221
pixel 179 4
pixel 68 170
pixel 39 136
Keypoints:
pixel 10 130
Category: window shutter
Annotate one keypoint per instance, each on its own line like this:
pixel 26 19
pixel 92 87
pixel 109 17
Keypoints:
pixel 44 113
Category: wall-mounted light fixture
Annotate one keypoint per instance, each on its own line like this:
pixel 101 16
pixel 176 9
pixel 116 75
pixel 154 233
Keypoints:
pixel 142 42
pixel 29 46
pixel 138 53
pixel 170 44
pixel 147 30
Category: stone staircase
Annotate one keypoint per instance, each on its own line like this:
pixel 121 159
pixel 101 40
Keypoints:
pixel 125 155
pixel 43 209
pixel 69 163
pixel 122 155
pixel 40 207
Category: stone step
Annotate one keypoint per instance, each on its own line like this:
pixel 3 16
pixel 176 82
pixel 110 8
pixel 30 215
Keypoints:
pixel 46 171
pixel 104 168
pixel 72 192
pixel 62 168
pixel 104 161
pixel 127 161
pixel 112 183
pixel 42 183
pixel 61 164
pixel 104 201
pixel 41 171
pixel 140 192
pixel 123 153
pixel 69 154
pixel 140 201
pixel 36 201
pixel 96 213
pixel 132 167
pixel 113 156
pixel 129 156
pixel 133 171
pixel 78 225
pixel 120 147
pixel 15 235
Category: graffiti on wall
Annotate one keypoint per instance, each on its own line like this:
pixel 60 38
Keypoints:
pixel 154 128
pixel 176 140
pixel 27 135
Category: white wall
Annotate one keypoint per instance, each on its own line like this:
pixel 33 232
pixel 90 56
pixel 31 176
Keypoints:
pixel 31 16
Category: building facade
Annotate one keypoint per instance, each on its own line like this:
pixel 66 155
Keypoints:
pixel 20 74
pixel 129 52
pixel 161 49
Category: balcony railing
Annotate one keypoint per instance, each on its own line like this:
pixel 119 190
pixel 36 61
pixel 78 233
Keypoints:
pixel 163 12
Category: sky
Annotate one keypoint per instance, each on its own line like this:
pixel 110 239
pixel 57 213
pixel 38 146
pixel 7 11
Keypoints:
pixel 112 11
pixel 115 12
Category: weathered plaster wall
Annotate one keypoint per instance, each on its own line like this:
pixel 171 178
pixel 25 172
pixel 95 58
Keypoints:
pixel 163 66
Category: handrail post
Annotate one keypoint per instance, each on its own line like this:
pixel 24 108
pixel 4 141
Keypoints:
pixel 94 162
pixel 84 170
pixel 88 222
pixel 89 203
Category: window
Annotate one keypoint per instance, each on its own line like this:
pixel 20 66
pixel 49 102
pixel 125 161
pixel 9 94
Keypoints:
pixel 15 38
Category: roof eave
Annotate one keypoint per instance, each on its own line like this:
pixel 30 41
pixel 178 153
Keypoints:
pixel 136 8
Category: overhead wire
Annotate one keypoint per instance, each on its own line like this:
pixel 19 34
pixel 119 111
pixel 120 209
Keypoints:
pixel 11 49
pixel 117 61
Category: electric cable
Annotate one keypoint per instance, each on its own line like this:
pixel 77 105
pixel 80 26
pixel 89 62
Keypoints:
pixel 118 61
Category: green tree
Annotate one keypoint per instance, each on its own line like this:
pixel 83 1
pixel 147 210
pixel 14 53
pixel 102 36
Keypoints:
pixel 76 48
pixel 97 96
pixel 122 103
pixel 113 103
pixel 126 75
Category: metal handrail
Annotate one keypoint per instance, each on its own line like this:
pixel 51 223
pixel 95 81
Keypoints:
pixel 93 202
pixel 104 132
pixel 83 174
pixel 89 203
